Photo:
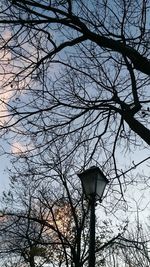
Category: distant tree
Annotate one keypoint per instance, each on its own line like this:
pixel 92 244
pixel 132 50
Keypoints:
pixel 45 224
pixel 46 221
pixel 132 249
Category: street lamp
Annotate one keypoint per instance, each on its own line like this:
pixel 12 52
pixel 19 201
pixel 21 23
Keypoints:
pixel 93 183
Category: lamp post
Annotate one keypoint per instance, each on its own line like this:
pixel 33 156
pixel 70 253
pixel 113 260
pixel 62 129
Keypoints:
pixel 93 183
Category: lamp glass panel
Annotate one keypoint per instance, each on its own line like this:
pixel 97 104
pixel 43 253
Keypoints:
pixel 88 182
pixel 101 183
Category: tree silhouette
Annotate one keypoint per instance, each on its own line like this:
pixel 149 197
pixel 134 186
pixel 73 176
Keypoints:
pixel 74 87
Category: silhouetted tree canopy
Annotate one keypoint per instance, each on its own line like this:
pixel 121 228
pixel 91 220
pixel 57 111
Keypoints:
pixel 75 78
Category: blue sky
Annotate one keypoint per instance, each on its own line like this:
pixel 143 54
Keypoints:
pixel 4 180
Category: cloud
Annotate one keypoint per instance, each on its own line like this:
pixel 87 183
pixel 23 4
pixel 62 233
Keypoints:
pixel 18 148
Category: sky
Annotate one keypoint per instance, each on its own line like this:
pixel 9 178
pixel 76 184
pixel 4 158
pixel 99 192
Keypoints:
pixel 4 179
pixel 4 161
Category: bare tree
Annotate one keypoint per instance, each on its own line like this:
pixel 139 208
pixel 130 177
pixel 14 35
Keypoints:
pixel 46 221
pixel 131 249
pixel 75 79
pixel 76 72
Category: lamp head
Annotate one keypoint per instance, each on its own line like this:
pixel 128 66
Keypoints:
pixel 93 182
